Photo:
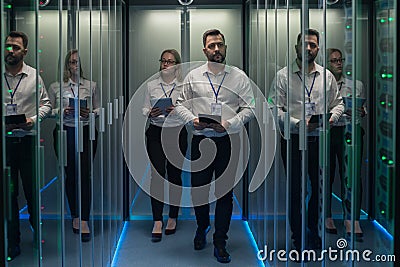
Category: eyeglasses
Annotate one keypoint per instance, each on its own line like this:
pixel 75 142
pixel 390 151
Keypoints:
pixel 168 62
pixel 73 62
pixel 337 60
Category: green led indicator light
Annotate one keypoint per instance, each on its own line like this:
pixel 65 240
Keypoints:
pixel 383 75
pixel 390 76
pixel 40 50
pixel 389 104
pixel 384 157
pixel 8 6
pixel 348 72
pixel 383 20
pixel 390 162
pixel 9 48
pixel 382 212
pixel 9 132
pixel 391 19
pixel 382 103
pixel 348 140
pixel 9 258
pixel 10 91
pixel 348 27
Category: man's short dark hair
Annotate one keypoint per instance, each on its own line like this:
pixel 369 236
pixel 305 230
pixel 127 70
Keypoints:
pixel 212 32
pixel 308 32
pixel 15 34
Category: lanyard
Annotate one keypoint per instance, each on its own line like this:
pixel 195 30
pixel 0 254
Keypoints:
pixel 219 87
pixel 72 90
pixel 340 88
pixel 12 93
pixel 312 85
pixel 165 93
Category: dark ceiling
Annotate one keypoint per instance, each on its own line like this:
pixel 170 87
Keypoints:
pixel 83 3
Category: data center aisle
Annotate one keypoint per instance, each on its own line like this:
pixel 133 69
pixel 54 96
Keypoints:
pixel 136 248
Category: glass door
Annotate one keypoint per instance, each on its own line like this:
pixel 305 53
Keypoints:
pixel 73 104
pixel 349 165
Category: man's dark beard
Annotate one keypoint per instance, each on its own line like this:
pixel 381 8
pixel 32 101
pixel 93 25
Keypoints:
pixel 309 58
pixel 11 60
pixel 212 59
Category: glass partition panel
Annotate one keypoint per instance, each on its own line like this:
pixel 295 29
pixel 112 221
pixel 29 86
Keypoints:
pixel 165 24
pixel 25 106
pixel 349 149
pixel 51 23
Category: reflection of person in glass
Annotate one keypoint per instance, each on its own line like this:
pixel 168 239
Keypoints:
pixel 338 148
pixel 161 135
pixel 225 93
pixel 23 90
pixel 76 91
pixel 288 84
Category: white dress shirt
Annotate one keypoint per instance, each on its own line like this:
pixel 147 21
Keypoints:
pixel 157 89
pixel 26 95
pixel 346 90
pixel 290 83
pixel 84 90
pixel 235 96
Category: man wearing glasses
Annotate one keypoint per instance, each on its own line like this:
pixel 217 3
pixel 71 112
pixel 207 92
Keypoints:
pixel 337 146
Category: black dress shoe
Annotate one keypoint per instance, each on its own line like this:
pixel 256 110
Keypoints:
pixel 76 231
pixel 331 230
pixel 156 237
pixel 314 242
pixel 200 238
pixel 85 237
pixel 358 237
pixel 222 255
pixel 13 252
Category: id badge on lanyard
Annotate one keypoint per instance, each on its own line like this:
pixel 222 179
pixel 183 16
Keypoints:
pixel 216 109
pixel 11 109
pixel 310 109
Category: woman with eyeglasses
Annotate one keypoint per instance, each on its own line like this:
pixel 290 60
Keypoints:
pixel 166 141
pixel 340 134
pixel 77 95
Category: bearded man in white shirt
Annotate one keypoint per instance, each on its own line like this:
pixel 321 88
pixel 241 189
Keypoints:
pixel 23 91
pixel 225 93
pixel 289 84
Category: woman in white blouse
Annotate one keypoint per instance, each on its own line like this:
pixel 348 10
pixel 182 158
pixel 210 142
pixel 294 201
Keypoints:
pixel 76 91
pixel 165 88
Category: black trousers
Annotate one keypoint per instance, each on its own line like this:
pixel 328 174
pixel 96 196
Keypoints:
pixel 72 173
pixel 337 150
pixel 21 160
pixel 224 167
pixel 295 185
pixel 162 168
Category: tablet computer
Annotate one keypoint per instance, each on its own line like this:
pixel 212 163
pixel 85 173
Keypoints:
pixel 316 118
pixel 162 104
pixel 348 102
pixel 73 102
pixel 208 118
pixel 15 119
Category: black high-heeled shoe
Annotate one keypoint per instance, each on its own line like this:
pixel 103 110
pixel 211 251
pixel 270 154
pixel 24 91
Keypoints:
pixel 156 237
pixel 85 237
pixel 171 231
